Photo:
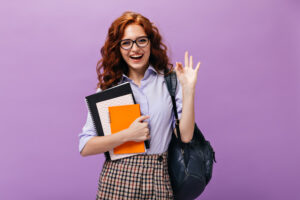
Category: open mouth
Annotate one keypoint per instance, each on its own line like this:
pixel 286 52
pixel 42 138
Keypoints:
pixel 136 57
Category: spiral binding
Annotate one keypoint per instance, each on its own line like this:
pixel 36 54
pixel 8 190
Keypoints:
pixel 89 109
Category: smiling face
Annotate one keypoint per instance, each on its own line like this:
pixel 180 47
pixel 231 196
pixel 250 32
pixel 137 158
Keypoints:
pixel 137 58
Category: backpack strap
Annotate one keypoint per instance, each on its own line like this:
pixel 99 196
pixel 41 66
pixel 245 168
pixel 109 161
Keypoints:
pixel 171 81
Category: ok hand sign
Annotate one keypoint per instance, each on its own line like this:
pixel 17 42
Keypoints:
pixel 187 76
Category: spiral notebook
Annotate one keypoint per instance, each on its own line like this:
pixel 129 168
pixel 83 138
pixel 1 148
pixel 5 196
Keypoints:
pixel 98 104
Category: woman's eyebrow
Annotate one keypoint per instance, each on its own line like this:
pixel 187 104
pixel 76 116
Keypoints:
pixel 135 38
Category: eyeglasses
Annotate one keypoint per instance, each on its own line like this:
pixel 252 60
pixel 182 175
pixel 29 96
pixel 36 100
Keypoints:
pixel 140 42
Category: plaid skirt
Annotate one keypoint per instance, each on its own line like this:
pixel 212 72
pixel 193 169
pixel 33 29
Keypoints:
pixel 137 177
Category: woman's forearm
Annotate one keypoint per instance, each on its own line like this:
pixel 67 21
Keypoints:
pixel 101 144
pixel 187 77
pixel 187 119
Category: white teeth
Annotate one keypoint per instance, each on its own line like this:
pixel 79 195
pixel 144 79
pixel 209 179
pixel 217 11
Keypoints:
pixel 136 56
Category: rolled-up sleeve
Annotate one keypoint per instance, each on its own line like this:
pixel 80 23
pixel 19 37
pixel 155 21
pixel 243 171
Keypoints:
pixel 178 98
pixel 88 130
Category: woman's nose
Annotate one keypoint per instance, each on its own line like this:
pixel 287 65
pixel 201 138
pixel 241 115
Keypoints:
pixel 134 46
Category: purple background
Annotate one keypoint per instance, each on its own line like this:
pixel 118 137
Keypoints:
pixel 247 98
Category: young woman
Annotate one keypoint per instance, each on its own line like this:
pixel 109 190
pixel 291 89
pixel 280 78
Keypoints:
pixel 133 52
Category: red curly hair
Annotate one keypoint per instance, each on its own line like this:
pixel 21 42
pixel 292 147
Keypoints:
pixel 112 65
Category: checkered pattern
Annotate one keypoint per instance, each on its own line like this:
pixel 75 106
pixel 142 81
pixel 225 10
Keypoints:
pixel 137 177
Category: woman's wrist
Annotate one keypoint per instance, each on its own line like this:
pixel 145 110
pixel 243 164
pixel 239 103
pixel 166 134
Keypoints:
pixel 188 91
pixel 123 135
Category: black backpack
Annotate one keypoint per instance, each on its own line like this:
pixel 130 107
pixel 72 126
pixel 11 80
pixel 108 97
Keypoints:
pixel 190 164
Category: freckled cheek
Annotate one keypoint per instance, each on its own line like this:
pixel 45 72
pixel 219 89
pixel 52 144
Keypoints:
pixel 148 56
pixel 125 55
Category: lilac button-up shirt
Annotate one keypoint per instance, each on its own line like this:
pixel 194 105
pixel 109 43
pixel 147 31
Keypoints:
pixel 155 101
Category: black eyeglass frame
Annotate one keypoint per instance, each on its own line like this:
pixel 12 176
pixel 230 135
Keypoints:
pixel 134 41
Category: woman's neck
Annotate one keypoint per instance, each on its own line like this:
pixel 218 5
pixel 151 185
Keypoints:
pixel 137 75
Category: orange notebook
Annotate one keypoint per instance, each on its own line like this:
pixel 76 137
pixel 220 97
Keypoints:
pixel 121 118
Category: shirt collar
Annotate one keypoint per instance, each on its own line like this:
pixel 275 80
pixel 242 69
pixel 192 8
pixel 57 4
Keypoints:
pixel 152 69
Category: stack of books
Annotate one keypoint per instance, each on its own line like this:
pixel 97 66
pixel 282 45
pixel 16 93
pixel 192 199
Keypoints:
pixel 113 110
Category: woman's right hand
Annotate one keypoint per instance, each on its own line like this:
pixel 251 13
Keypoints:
pixel 138 130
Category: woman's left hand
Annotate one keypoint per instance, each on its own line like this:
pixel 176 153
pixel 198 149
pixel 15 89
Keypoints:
pixel 187 76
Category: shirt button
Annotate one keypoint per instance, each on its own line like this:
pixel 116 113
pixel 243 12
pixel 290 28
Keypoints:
pixel 160 158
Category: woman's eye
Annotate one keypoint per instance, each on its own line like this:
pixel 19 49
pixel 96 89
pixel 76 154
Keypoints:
pixel 143 40
pixel 125 43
